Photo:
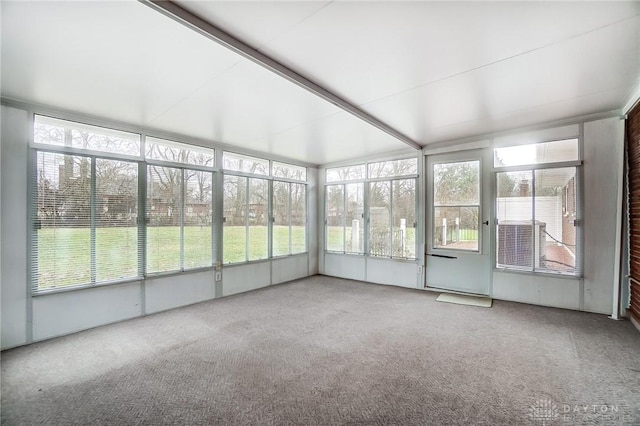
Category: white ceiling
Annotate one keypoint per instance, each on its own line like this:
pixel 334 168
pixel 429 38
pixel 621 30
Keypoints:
pixel 433 71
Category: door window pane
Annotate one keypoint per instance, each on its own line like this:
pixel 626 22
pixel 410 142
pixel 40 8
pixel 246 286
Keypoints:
pixel 456 215
pixel 456 183
pixel 456 228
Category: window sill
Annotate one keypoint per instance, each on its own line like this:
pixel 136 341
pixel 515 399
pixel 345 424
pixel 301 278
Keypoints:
pixel 71 288
pixel 539 274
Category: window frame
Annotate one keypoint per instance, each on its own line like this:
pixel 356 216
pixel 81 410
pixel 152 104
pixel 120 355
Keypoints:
pixel 578 214
pixel 269 178
pixel 77 121
pixel 366 181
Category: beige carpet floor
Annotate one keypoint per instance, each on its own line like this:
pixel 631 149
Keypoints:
pixel 323 351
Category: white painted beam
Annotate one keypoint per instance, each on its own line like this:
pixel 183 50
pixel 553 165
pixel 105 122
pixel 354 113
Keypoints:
pixel 225 39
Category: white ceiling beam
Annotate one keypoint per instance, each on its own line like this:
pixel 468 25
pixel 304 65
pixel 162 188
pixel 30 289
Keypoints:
pixel 225 39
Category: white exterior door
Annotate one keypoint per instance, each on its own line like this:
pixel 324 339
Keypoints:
pixel 458 222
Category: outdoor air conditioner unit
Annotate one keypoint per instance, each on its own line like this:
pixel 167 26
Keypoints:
pixel 516 243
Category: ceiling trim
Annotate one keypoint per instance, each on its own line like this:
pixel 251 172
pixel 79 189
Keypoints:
pixel 225 39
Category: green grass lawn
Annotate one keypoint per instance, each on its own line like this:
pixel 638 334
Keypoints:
pixel 64 254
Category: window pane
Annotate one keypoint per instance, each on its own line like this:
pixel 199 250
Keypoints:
pixel 160 149
pixel 289 171
pixel 354 224
pixel 258 217
pixel 457 183
pixel 52 131
pixel 456 228
pixel 116 220
pixel 281 218
pixel 197 219
pixel 335 217
pixel 163 209
pixel 62 246
pixel 541 153
pixel 515 242
pixel 555 211
pixel 243 163
pixel 404 218
pixel 380 213
pixel 408 166
pixel 345 173
pixel 235 219
pixel 298 218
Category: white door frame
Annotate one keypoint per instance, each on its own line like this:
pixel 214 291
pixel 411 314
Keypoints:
pixel 461 270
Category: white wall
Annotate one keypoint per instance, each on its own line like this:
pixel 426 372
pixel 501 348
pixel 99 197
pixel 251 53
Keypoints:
pixel 603 142
pixel 13 267
pixel 26 318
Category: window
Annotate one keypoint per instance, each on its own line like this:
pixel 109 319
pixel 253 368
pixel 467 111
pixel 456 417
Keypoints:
pixel 537 209
pixel 85 207
pixel 109 206
pixel 164 250
pixel 249 212
pixel 198 219
pixel 288 171
pixel 243 163
pixel 406 167
pixel 116 233
pixel 289 218
pixel 392 212
pixel 179 206
pixel 345 218
pixel 51 131
pixel 62 240
pixel 245 219
pixel 163 150
pixel 340 174
pixel 456 205
pixel 391 209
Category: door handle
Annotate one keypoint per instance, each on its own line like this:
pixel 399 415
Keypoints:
pixel 486 222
